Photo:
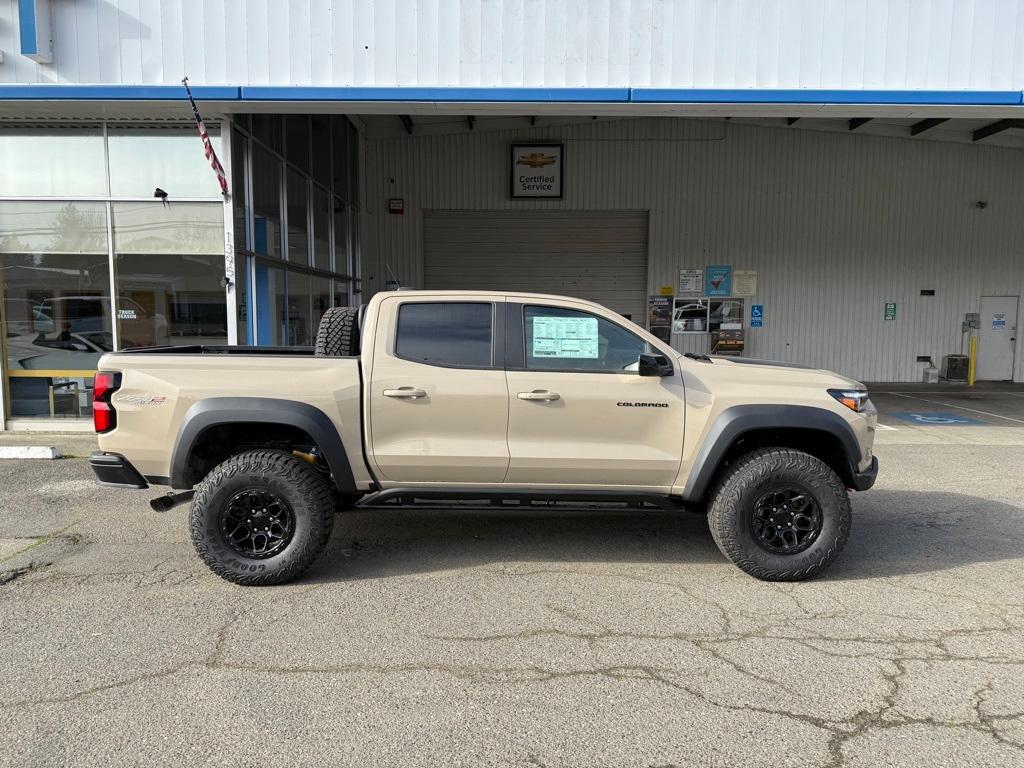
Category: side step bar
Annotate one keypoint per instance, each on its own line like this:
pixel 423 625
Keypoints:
pixel 521 495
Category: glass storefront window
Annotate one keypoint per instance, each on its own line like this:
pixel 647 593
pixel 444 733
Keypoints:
pixel 296 137
pixel 266 202
pixel 321 229
pixel 341 288
pixel 298 238
pixel 300 317
pixel 270 322
pixel 321 300
pixel 321 144
pixel 340 170
pixel 341 260
pixel 143 159
pixel 54 277
pixel 66 162
pixel 239 192
pixel 169 265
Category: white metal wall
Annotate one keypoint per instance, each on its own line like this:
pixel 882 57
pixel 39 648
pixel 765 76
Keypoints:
pixel 892 44
pixel 835 224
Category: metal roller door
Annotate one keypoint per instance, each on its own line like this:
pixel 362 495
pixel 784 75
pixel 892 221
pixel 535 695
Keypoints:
pixel 596 255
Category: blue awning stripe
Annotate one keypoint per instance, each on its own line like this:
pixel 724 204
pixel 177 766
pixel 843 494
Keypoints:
pixel 268 93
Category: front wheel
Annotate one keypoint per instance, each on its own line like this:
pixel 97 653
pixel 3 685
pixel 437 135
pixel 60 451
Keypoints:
pixel 261 517
pixel 780 515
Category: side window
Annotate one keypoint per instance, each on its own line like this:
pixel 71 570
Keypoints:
pixel 565 339
pixel 450 333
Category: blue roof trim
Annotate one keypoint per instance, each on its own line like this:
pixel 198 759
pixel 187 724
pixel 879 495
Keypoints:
pixel 810 96
pixel 117 92
pixel 27 27
pixel 563 95
pixel 508 95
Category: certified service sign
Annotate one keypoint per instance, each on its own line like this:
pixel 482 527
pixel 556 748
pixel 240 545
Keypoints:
pixel 536 170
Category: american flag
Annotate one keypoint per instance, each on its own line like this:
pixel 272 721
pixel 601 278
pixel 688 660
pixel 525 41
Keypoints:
pixel 211 156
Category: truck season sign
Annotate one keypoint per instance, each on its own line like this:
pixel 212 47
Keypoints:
pixel 536 170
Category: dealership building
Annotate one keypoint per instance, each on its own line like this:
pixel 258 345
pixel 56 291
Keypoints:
pixel 836 185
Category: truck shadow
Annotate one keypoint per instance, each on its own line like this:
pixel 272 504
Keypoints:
pixel 895 533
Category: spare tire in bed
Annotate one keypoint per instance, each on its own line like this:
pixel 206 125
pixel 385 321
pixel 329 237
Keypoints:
pixel 338 334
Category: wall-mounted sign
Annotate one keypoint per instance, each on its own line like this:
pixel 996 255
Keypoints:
pixel 691 283
pixel 536 170
pixel 999 321
pixel 890 310
pixel 396 205
pixel 659 316
pixel 666 290
pixel 744 282
pixel 757 315
pixel 718 281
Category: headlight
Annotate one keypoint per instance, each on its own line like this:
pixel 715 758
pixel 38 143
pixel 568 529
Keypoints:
pixel 854 399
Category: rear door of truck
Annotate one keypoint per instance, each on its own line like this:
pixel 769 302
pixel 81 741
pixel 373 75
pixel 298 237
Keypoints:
pixel 437 398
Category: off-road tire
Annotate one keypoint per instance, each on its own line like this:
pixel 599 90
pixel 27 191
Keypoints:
pixel 307 493
pixel 338 334
pixel 747 480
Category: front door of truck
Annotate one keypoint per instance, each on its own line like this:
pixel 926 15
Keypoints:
pixel 579 412
pixel 438 402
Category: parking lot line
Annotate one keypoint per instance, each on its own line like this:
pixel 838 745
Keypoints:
pixel 951 405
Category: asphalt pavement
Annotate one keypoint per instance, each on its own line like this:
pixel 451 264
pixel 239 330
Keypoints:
pixel 537 637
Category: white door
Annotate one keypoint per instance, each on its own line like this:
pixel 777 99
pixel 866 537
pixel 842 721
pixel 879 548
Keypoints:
pixel 997 338
pixel 595 255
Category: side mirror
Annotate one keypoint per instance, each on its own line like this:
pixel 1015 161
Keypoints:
pixel 654 365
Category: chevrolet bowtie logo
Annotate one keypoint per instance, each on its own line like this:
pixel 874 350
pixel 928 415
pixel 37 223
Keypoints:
pixel 536 160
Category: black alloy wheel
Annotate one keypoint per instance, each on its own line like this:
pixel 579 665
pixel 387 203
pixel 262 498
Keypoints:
pixel 786 520
pixel 257 524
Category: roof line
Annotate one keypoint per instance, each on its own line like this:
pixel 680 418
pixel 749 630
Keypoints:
pixel 795 96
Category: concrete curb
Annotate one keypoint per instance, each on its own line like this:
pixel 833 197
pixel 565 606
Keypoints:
pixel 29 452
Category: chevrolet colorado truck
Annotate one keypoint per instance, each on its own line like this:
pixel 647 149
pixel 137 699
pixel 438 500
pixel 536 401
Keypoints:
pixel 504 398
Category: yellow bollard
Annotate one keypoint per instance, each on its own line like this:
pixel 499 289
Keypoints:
pixel 973 354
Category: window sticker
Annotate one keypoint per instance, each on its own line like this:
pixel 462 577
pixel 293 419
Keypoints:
pixel 572 337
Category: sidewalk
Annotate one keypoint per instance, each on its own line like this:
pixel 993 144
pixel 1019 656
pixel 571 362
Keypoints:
pixel 71 444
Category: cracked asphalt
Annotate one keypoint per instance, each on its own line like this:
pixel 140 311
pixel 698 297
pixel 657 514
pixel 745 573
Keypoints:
pixel 541 637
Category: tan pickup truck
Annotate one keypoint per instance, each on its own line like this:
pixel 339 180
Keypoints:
pixel 506 398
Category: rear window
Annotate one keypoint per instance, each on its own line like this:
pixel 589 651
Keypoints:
pixel 445 333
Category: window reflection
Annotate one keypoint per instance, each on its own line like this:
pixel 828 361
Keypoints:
pixel 169 267
pixel 142 159
pixel 56 299
pixel 52 163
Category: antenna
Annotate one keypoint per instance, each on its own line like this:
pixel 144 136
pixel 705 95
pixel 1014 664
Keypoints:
pixel 393 278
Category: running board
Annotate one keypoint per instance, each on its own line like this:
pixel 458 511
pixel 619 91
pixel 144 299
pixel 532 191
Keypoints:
pixel 521 495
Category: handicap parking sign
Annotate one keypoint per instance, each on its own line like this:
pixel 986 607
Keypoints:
pixel 929 419
pixel 756 315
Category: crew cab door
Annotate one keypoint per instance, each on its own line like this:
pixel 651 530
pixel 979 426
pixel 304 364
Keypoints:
pixel 579 412
pixel 437 398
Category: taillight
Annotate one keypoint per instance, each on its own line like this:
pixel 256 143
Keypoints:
pixel 104 417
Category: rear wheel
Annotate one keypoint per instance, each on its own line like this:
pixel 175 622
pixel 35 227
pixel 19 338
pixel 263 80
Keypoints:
pixel 261 517
pixel 338 333
pixel 780 514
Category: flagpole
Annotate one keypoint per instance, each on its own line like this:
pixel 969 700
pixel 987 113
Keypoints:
pixel 208 150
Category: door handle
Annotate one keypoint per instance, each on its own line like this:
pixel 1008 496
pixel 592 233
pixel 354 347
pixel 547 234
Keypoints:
pixel 539 394
pixel 409 392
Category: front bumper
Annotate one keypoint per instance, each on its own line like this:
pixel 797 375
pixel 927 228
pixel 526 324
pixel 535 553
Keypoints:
pixel 864 480
pixel 115 470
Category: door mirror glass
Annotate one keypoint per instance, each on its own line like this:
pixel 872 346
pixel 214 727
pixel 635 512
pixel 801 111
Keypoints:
pixel 654 365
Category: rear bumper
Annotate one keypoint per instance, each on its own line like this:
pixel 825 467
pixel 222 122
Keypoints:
pixel 115 470
pixel 864 480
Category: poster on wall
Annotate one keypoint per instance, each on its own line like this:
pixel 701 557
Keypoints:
pixel 718 280
pixel 744 282
pixel 536 170
pixel 691 282
pixel 659 316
